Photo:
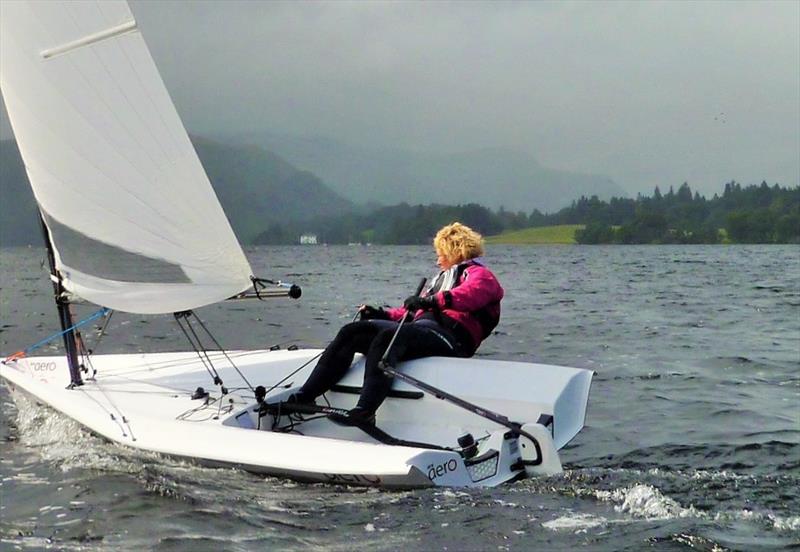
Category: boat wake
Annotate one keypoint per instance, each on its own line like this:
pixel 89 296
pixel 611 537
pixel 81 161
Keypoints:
pixel 647 496
pixel 56 438
pixel 645 501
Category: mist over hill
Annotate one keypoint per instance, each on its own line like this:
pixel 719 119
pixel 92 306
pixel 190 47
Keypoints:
pixel 258 188
pixel 491 177
pixel 255 187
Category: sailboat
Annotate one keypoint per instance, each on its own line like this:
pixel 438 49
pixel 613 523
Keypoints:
pixel 132 224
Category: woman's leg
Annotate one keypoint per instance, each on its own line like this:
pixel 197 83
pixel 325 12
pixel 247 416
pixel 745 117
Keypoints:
pixel 338 356
pixel 413 341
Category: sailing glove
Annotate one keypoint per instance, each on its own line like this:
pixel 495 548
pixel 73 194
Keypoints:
pixel 415 303
pixel 368 312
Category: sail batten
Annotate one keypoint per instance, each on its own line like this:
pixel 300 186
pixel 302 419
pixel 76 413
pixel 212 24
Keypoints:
pixel 134 221
pixel 127 27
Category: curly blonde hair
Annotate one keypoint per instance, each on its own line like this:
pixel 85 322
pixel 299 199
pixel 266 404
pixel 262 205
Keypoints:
pixel 458 243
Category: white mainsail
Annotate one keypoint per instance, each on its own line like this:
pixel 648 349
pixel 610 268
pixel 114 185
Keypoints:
pixel 133 219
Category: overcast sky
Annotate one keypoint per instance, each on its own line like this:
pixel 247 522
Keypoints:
pixel 648 93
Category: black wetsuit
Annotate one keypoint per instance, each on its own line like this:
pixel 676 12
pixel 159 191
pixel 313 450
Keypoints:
pixel 422 338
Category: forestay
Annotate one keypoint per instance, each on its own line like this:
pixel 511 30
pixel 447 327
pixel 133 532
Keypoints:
pixel 134 221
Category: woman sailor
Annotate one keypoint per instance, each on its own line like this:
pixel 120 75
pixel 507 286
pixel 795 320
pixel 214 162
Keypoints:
pixel 451 317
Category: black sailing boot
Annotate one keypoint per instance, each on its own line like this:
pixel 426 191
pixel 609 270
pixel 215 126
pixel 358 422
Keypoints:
pixel 356 417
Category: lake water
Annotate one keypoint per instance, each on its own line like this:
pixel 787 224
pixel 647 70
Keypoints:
pixel 692 438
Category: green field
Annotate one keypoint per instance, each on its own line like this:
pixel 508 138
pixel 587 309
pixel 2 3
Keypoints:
pixel 540 235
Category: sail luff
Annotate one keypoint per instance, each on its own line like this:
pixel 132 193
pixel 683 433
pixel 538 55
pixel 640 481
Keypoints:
pixel 110 162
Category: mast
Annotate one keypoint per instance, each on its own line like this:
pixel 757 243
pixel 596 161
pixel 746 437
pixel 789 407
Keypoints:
pixel 64 314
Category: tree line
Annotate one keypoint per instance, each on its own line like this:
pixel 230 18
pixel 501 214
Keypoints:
pixel 742 214
pixel 750 214
pixel 401 224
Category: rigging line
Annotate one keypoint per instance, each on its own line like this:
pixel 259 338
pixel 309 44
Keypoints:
pixel 171 390
pixel 196 350
pixel 211 372
pixel 222 350
pixel 103 329
pixel 204 351
pixel 206 405
pixel 255 287
pixel 24 352
pixel 151 367
pixel 86 358
pixel 156 367
pixel 308 343
pixel 183 415
pixel 219 408
pixel 107 411
pixel 115 407
pixel 167 390
pixel 85 354
pixel 149 393
pixel 173 363
pixel 290 427
pixel 306 363
pixel 201 420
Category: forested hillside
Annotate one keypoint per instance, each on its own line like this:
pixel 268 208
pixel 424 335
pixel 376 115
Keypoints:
pixel 255 187
pixel 751 214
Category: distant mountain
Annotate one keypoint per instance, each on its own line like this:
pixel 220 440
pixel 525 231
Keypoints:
pixel 255 187
pixel 490 177
pixel 258 188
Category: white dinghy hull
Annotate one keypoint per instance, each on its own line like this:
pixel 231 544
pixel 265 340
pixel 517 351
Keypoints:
pixel 145 401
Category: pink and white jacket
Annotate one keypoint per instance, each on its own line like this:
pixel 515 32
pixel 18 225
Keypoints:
pixel 473 303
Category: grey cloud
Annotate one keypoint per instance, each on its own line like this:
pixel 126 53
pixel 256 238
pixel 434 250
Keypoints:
pixel 649 93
